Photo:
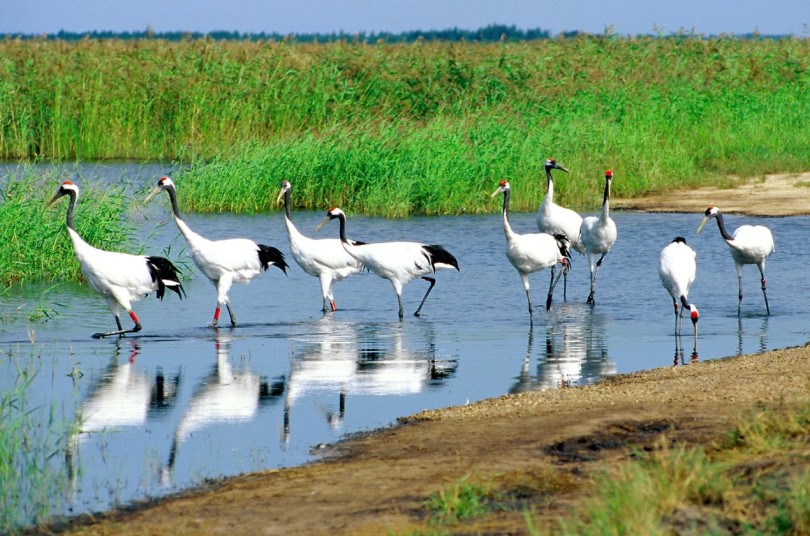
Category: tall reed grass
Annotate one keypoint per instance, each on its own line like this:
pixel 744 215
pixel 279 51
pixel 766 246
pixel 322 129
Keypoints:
pixel 414 128
pixel 35 244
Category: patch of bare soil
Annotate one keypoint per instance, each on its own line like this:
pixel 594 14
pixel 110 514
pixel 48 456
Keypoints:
pixel 773 195
pixel 544 444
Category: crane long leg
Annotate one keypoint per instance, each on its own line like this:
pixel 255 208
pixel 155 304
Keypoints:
pixel 230 312
pixel 739 294
pixel 553 284
pixel 594 273
pixel 401 310
pixel 565 282
pixel 764 295
pixel 121 331
pixel 432 282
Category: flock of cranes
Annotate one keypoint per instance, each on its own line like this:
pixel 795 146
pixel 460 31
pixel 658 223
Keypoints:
pixel 123 279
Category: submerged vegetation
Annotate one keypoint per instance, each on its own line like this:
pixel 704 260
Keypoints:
pixel 32 449
pixel 426 127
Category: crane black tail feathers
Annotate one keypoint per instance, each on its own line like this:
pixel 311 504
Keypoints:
pixel 269 255
pixel 164 273
pixel 563 243
pixel 436 254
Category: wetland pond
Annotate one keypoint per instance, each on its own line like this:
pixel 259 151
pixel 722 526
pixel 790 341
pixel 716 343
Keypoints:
pixel 180 403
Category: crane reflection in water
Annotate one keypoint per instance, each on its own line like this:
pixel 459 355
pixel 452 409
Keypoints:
pixel 124 395
pixel 351 359
pixel 575 353
pixel 227 395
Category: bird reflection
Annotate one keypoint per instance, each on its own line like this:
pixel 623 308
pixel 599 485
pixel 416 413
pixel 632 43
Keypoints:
pixel 123 396
pixel 350 359
pixel 763 335
pixel 680 352
pixel 226 395
pixel 525 381
pixel 574 354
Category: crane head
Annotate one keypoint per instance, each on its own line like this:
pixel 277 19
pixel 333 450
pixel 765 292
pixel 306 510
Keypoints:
pixel 710 213
pixel 163 183
pixel 552 164
pixel 503 186
pixel 331 214
pixel 286 186
pixel 609 175
pixel 66 188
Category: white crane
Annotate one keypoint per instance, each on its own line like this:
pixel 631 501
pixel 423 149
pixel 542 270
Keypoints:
pixel 223 262
pixel 750 244
pixel 533 252
pixel 323 258
pixel 598 234
pixel 677 268
pixel 120 277
pixel 554 219
pixel 398 262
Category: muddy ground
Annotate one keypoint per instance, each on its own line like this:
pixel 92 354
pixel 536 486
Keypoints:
pixel 545 443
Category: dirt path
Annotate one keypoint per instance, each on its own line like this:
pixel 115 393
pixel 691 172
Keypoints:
pixel 775 195
pixel 378 484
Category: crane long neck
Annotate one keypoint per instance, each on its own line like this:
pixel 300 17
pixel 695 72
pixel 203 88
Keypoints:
pixel 342 221
pixel 71 206
pixel 722 226
pixel 506 227
pixel 287 204
pixel 173 199
pixel 550 180
pixel 606 200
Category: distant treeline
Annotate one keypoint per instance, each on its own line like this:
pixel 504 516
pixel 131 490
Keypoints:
pixel 491 33
pixel 487 34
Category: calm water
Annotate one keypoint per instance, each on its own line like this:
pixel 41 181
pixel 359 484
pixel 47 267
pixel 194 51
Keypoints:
pixel 182 403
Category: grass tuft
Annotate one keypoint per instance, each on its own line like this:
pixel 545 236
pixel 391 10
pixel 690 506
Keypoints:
pixel 36 246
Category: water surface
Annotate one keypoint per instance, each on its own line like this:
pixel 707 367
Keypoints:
pixel 181 403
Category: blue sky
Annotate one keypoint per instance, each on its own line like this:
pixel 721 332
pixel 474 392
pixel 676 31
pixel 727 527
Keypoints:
pixel 631 17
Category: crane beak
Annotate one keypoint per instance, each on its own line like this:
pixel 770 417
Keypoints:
pixel 561 168
pixel 700 227
pixel 496 192
pixel 280 196
pixel 56 196
pixel 153 193
pixel 323 222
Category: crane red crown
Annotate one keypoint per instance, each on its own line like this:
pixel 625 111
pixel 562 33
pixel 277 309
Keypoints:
pixel 608 173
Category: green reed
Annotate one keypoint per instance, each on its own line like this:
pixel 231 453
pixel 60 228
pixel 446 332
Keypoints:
pixel 33 479
pixel 414 128
pixel 35 243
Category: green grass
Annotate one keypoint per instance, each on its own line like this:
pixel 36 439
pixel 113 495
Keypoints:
pixel 461 500
pixel 418 128
pixel 757 481
pixel 36 246
pixel 754 480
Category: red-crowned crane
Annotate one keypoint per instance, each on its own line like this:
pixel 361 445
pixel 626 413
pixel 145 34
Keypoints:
pixel 750 244
pixel 120 277
pixel 554 219
pixel 677 268
pixel 532 252
pixel 398 262
pixel 223 262
pixel 598 234
pixel 323 258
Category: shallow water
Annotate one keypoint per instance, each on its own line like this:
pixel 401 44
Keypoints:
pixel 182 403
